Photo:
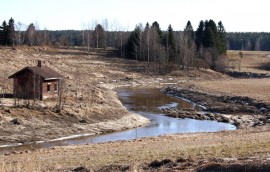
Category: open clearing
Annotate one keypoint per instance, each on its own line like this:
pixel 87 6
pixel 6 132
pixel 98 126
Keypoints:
pixel 94 101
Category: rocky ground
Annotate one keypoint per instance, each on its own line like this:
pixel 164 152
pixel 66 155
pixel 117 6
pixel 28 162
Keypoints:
pixel 93 107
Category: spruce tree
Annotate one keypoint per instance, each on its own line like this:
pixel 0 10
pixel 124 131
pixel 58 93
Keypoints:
pixel 133 44
pixel 199 35
pixel 170 43
pixel 210 34
pixel 189 34
pixel 222 42
pixel 171 40
pixel 155 26
pixel 4 34
pixel 11 32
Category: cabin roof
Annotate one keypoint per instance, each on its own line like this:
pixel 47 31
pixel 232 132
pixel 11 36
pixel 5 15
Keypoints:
pixel 43 71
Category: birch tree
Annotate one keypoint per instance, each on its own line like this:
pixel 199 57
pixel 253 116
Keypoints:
pixel 30 33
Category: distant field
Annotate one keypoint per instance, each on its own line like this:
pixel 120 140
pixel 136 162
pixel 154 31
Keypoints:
pixel 255 88
pixel 252 61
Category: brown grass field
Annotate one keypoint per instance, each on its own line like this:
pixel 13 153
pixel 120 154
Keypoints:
pixel 185 152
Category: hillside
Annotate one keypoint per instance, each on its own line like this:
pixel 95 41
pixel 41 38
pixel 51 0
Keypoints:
pixel 90 103
pixel 91 106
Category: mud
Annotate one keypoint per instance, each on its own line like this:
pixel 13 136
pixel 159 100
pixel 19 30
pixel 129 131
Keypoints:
pixel 183 164
pixel 238 110
pixel 247 75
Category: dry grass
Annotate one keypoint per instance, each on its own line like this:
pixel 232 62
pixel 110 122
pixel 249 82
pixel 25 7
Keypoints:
pixel 200 146
pixel 252 61
pixel 253 88
pixel 86 97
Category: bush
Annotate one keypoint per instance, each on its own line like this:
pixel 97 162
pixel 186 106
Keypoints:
pixel 221 64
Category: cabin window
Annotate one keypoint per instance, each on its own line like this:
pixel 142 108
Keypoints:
pixel 55 87
pixel 48 87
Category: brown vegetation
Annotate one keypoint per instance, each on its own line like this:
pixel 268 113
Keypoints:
pixel 85 98
pixel 94 101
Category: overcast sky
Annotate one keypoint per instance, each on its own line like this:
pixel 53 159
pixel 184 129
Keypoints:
pixel 236 15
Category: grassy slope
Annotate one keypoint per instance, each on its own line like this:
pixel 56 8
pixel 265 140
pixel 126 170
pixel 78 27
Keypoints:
pixel 199 147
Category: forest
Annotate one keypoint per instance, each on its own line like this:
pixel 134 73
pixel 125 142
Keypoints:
pixel 201 48
pixel 250 41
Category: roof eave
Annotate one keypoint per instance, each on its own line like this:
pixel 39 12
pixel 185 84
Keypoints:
pixel 46 79
pixel 16 73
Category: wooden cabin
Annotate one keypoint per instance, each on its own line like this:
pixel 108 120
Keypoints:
pixel 37 82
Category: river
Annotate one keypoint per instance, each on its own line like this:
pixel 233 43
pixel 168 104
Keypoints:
pixel 147 102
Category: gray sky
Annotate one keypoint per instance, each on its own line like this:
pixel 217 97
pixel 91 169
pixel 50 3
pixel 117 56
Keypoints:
pixel 236 15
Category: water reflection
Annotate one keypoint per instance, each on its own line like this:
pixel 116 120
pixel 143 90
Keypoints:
pixel 151 100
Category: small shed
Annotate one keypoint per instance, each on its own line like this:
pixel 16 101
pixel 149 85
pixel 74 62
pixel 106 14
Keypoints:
pixel 37 82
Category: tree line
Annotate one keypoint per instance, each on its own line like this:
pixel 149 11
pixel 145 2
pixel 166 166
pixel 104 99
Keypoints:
pixel 251 41
pixel 7 33
pixel 188 48
pixel 203 47
pixel 12 34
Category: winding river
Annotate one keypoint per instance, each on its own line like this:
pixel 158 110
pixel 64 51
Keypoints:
pixel 147 102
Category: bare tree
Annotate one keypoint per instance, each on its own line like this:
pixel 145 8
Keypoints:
pixel 115 28
pixel 241 57
pixel 105 24
pixel 18 27
pixel 90 29
pixel 83 34
pixel 99 36
pixel 30 34
pixel 187 52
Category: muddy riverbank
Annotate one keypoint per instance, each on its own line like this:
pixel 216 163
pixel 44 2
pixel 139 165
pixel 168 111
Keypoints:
pixel 241 111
